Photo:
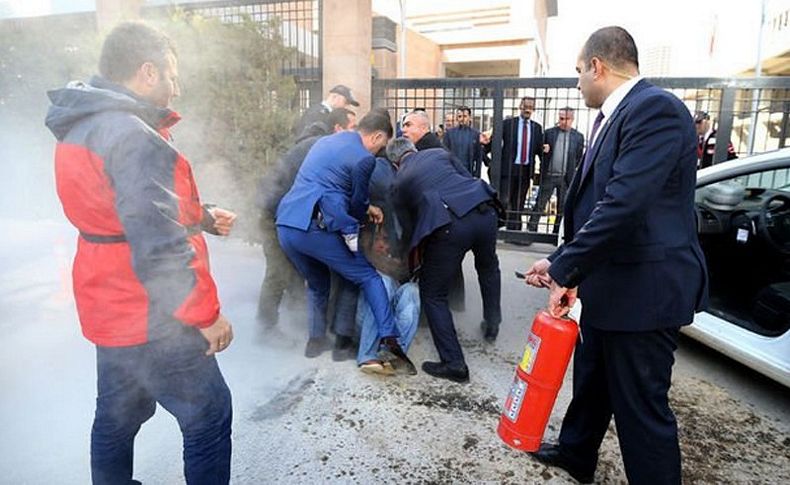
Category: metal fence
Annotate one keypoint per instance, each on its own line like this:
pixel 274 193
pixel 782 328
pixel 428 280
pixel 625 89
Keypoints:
pixel 300 27
pixel 752 114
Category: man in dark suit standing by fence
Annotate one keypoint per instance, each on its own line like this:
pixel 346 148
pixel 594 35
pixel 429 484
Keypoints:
pixel 463 141
pixel 562 152
pixel 634 256
pixel 522 142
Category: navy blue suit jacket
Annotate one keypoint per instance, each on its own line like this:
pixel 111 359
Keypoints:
pixel 632 242
pixel 464 143
pixel 335 176
pixel 430 187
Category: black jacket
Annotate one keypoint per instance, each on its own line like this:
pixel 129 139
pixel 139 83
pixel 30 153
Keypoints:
pixel 316 112
pixel 429 140
pixel 430 187
pixel 575 151
pixel 280 177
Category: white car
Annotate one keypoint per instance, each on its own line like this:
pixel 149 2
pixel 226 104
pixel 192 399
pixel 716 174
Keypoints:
pixel 743 211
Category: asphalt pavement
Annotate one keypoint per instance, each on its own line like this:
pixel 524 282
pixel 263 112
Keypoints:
pixel 299 420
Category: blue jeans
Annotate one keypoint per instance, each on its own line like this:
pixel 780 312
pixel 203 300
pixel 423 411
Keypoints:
pixel 176 373
pixel 405 302
pixel 314 252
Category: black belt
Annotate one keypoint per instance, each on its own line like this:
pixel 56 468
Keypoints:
pixel 484 206
pixel 318 218
pixel 121 238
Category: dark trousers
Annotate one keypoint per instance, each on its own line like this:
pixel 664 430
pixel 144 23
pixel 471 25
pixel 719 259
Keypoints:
pixel 344 319
pixel 176 373
pixel 314 252
pixel 280 278
pixel 548 184
pixel 445 248
pixel 520 176
pixel 625 374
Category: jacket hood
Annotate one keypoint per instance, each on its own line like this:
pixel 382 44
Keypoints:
pixel 79 100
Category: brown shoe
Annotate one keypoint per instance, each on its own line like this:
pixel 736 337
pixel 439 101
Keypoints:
pixel 377 367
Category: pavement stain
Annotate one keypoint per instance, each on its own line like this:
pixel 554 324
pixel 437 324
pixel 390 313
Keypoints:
pixel 286 399
pixel 446 433
pixel 721 438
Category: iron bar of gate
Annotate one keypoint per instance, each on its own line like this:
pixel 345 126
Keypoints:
pixel 301 30
pixel 724 132
pixel 785 123
pixel 722 98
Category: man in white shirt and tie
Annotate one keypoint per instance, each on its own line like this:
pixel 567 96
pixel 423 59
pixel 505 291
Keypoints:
pixel 522 143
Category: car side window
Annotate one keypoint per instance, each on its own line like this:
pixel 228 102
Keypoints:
pixel 772 179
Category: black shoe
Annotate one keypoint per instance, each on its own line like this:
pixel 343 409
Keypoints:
pixel 443 370
pixel 490 331
pixel 315 347
pixel 551 455
pixel 395 355
pixel 344 349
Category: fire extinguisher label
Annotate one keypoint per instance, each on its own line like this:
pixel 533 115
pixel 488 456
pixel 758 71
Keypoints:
pixel 530 353
pixel 515 399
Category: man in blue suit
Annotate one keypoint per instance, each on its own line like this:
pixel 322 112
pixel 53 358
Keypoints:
pixel 451 214
pixel 633 256
pixel 318 224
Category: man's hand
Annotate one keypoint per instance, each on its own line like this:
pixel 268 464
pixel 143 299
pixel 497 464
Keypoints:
pixel 375 214
pixel 538 274
pixel 546 148
pixel 561 299
pixel 223 220
pixel 218 335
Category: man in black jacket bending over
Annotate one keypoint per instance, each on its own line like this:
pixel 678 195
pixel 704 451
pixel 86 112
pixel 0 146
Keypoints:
pixel 452 213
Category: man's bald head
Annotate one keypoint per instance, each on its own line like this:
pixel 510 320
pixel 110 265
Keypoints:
pixel 415 125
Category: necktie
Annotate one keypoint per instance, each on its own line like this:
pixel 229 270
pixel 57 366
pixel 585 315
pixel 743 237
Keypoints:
pixel 524 141
pixel 588 154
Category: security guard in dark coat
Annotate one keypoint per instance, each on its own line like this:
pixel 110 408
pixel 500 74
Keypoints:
pixel 452 213
pixel 281 277
pixel 706 141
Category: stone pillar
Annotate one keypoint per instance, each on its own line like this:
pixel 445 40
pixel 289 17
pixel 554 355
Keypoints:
pixel 110 12
pixel 346 28
pixel 385 58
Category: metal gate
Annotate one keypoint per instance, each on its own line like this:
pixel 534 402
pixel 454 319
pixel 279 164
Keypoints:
pixel 300 24
pixel 734 106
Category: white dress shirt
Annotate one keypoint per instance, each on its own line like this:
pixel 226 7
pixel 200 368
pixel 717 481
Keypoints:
pixel 613 101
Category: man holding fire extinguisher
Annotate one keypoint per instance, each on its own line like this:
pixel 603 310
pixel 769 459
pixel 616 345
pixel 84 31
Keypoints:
pixel 633 256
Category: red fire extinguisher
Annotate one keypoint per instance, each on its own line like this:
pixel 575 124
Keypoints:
pixel 537 381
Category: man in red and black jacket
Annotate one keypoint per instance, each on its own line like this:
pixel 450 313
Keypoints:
pixel 142 284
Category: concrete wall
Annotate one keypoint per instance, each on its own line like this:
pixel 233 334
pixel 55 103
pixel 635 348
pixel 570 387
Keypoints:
pixel 424 57
pixel 347 52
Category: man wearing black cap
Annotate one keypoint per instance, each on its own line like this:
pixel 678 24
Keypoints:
pixel 706 141
pixel 339 97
